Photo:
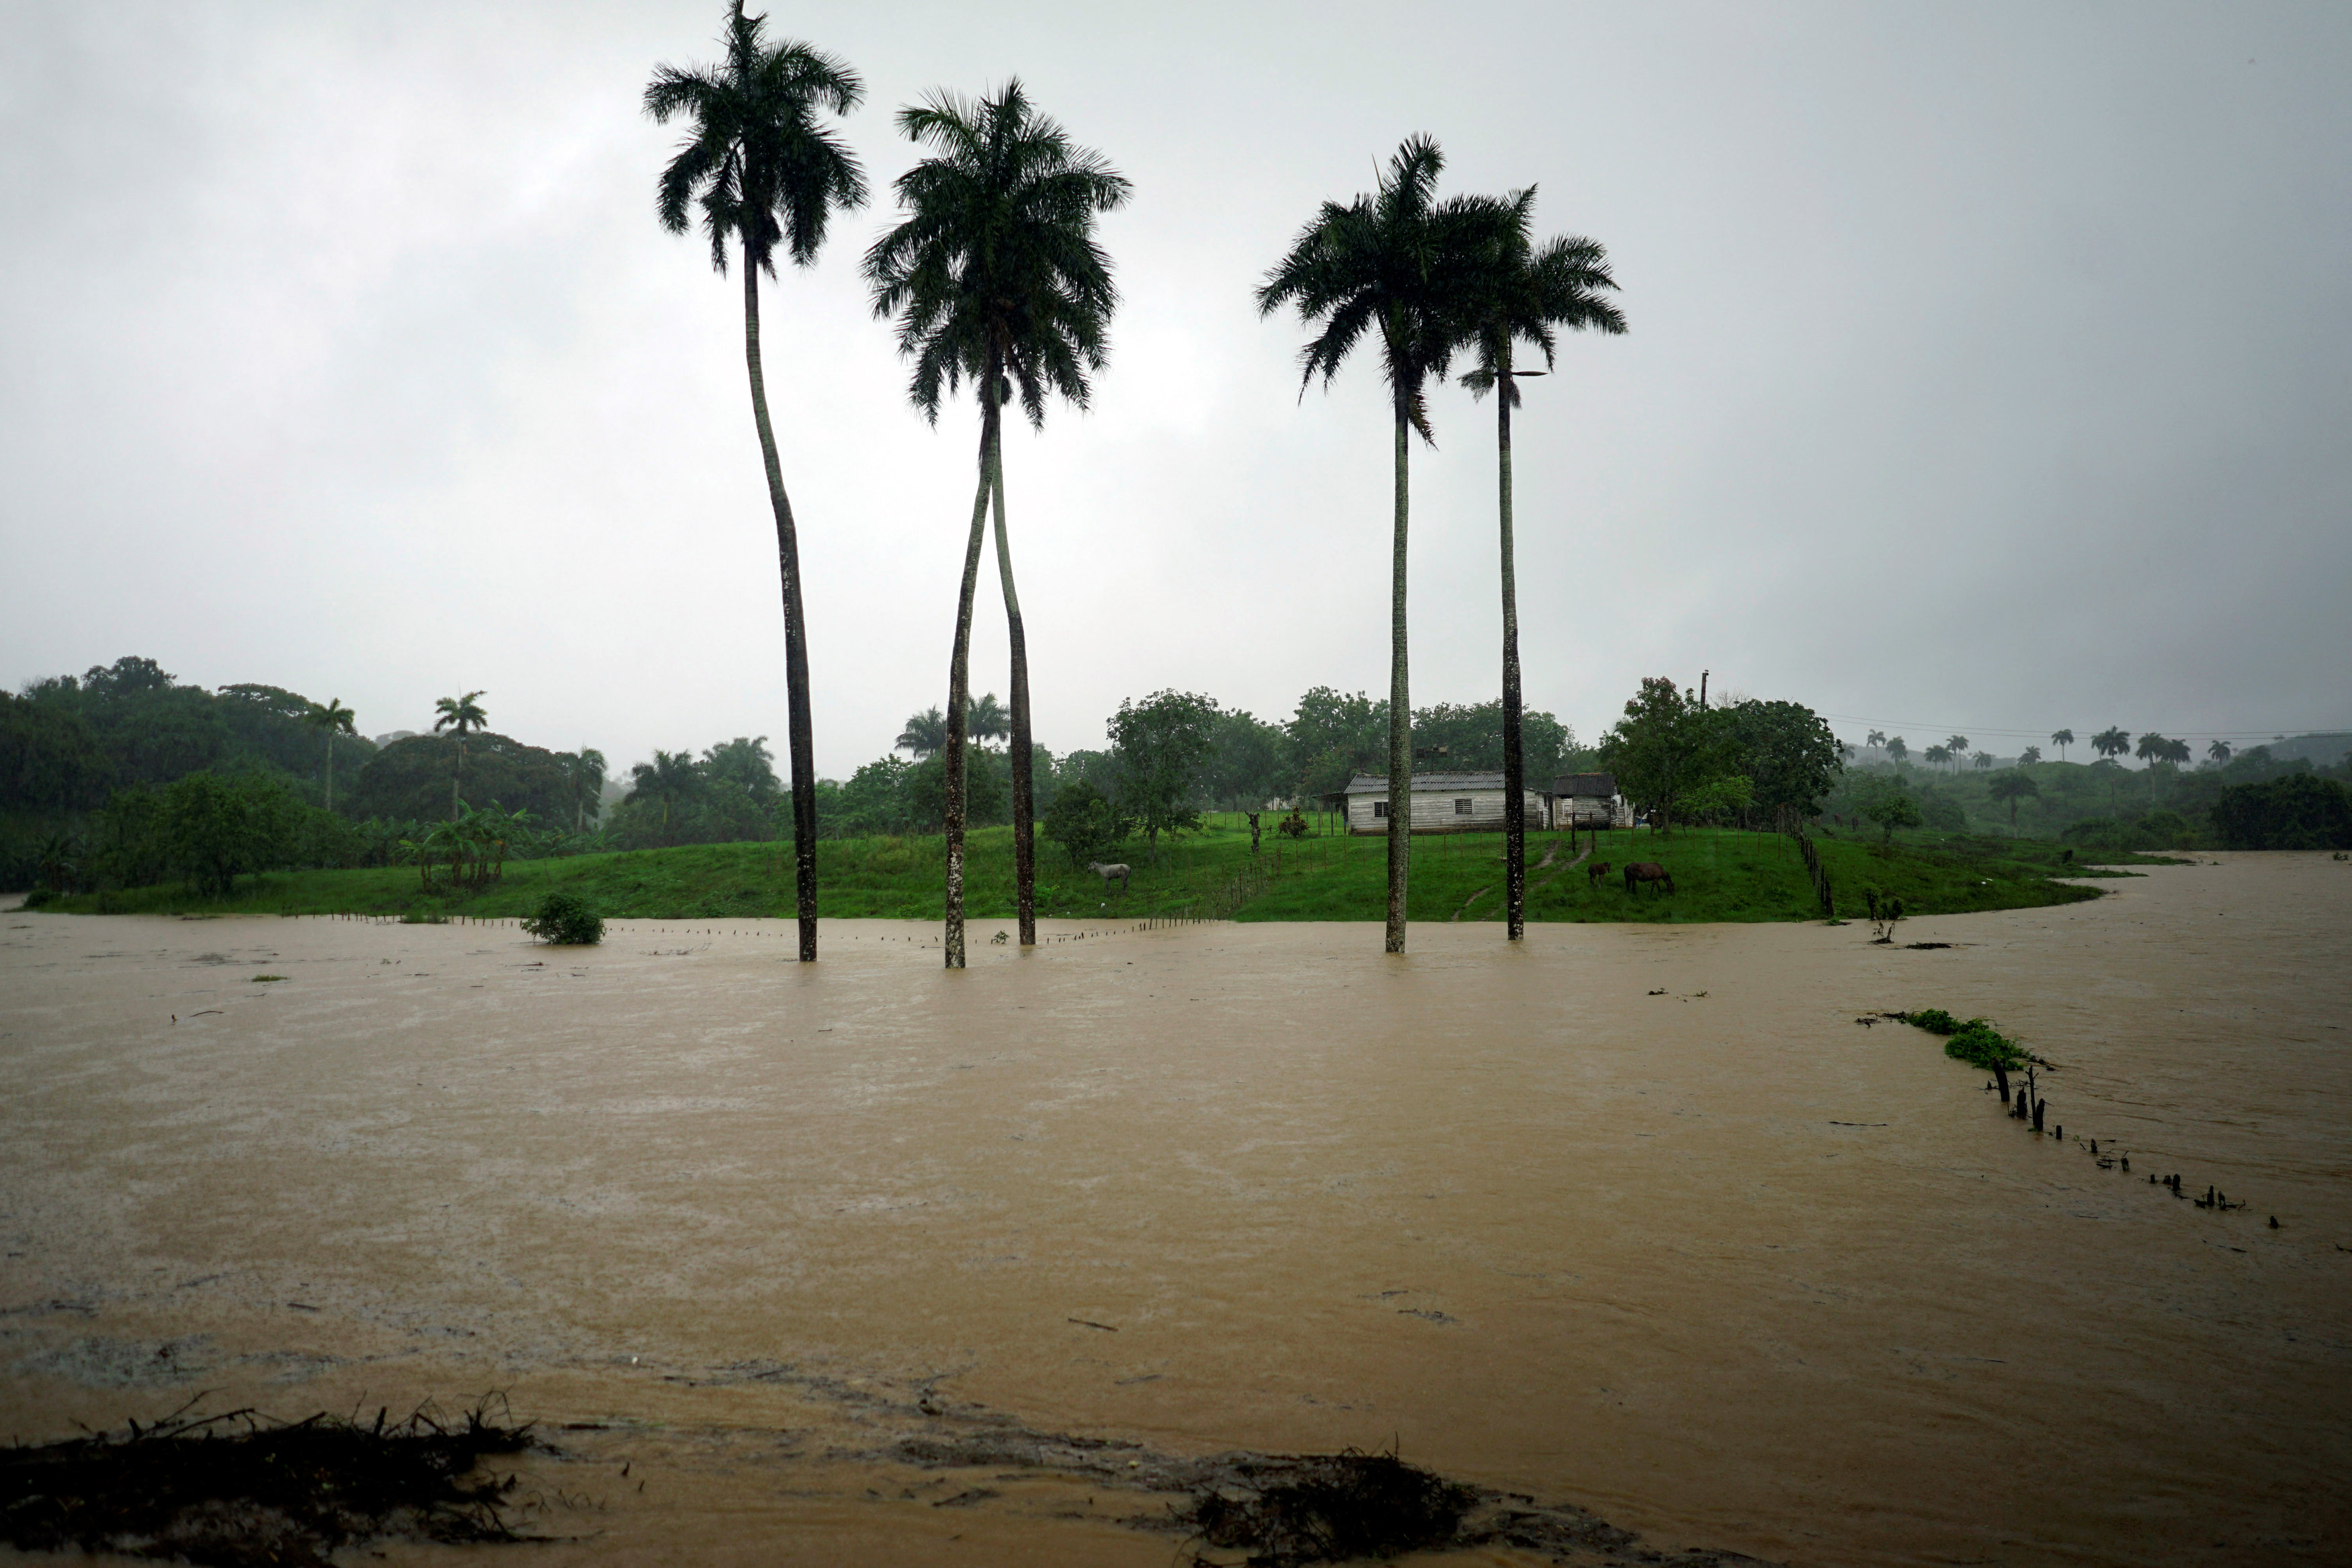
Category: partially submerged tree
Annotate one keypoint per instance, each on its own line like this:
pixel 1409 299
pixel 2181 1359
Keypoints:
pixel 1524 294
pixel 994 277
pixel 1400 264
pixel 766 170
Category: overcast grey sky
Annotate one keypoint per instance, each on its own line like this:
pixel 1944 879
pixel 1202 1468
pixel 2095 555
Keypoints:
pixel 1990 368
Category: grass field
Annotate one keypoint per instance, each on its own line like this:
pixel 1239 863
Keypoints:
pixel 1720 874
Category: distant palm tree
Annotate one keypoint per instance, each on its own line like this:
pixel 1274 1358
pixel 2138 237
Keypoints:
pixel 2028 756
pixel 585 769
pixel 1878 737
pixel 2013 786
pixel 926 734
pixel 672 778
pixel 2111 742
pixel 2153 748
pixel 2062 739
pixel 335 719
pixel 765 171
pixel 458 714
pixel 1939 754
pixel 986 720
pixel 2218 751
pixel 1523 295
pixel 1897 749
pixel 1403 264
pixel 994 276
pixel 1982 760
pixel 1956 749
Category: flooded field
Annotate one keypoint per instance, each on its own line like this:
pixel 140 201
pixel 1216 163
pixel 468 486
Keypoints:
pixel 1638 1219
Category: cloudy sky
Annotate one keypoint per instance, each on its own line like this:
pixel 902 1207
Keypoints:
pixel 1991 369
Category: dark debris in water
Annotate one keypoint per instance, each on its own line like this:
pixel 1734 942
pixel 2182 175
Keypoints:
pixel 238 1491
pixel 1329 1507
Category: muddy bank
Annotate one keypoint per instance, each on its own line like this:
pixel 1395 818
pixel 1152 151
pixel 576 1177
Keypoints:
pixel 1636 1221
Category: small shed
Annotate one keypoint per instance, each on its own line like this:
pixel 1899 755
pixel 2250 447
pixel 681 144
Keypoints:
pixel 1441 803
pixel 1588 800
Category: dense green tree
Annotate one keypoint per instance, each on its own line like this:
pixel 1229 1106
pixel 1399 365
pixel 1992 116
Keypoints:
pixel 1247 763
pixel 1163 745
pixel 994 276
pixel 401 781
pixel 987 794
pixel 1524 294
pixel 1786 750
pixel 2014 785
pixel 1666 745
pixel 745 762
pixel 217 827
pixel 1088 825
pixel 766 170
pixel 50 762
pixel 1403 267
pixel 2299 812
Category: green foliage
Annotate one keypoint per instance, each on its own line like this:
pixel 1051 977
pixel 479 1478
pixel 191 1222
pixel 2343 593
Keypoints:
pixel 1942 812
pixel 1162 744
pixel 2295 812
pixel 1787 752
pixel 566 922
pixel 1891 808
pixel 1935 1020
pixel 1972 1040
pixel 212 828
pixel 1666 745
pixel 409 779
pixel 987 791
pixel 1086 825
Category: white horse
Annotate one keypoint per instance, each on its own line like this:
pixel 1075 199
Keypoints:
pixel 1109 873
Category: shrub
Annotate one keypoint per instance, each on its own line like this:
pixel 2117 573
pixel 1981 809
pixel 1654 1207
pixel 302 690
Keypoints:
pixel 1980 1044
pixel 2297 813
pixel 566 922
pixel 1935 1020
pixel 37 897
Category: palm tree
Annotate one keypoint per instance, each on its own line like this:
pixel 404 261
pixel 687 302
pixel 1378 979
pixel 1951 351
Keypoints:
pixel 586 771
pixel 926 734
pixel 2028 756
pixel 2153 748
pixel 986 719
pixel 2111 742
pixel 458 714
pixel 672 778
pixel 2218 751
pixel 1956 749
pixel 334 718
pixel 2013 786
pixel 1524 294
pixel 1877 738
pixel 1402 263
pixel 994 276
pixel 1982 760
pixel 765 169
pixel 1939 754
pixel 1897 749
pixel 2062 739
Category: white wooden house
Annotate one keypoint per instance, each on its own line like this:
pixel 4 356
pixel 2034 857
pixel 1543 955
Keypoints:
pixel 1588 800
pixel 1441 803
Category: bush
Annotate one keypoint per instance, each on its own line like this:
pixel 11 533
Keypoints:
pixel 1980 1044
pixel 566 922
pixel 2297 813
pixel 37 897
pixel 1935 1020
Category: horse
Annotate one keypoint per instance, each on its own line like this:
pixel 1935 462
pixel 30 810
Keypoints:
pixel 1108 872
pixel 1593 873
pixel 1648 870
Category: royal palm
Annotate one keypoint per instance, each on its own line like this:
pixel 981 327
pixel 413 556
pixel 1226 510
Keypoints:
pixel 994 277
pixel 766 170
pixel 1400 266
pixel 460 715
pixel 1525 295
pixel 335 719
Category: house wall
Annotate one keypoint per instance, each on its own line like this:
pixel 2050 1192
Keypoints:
pixel 1592 811
pixel 1433 811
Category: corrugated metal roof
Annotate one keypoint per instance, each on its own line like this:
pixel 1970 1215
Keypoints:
pixel 1425 783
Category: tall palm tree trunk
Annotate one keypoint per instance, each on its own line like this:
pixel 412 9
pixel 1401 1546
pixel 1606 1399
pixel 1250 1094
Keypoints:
pixel 1514 765
pixel 1024 815
pixel 331 770
pixel 959 676
pixel 800 737
pixel 1399 710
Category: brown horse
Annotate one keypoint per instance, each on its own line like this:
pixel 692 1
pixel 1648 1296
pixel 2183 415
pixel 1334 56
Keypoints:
pixel 1593 873
pixel 1648 870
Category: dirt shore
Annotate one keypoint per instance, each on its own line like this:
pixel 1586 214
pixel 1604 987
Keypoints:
pixel 1635 1219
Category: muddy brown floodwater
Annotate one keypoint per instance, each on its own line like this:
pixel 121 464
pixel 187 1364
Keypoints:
pixel 1637 1219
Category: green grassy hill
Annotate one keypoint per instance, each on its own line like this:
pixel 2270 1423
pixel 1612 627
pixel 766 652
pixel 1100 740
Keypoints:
pixel 1719 875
